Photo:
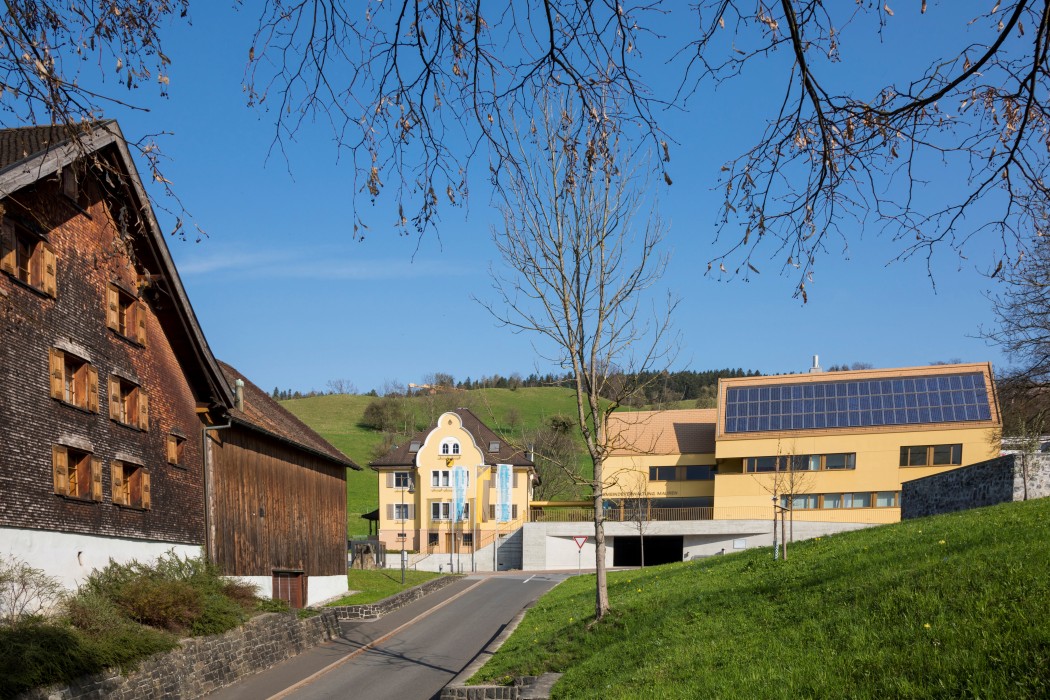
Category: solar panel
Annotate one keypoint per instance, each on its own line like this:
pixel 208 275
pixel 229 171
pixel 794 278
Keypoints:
pixel 942 398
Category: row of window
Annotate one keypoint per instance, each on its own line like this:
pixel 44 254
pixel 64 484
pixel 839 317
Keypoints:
pixel 78 474
pixel 75 381
pixel 931 455
pixel 829 462
pixel 911 456
pixel 31 260
pixel 442 479
pixel 442 510
pixel 827 501
pixel 690 473
pixel 434 538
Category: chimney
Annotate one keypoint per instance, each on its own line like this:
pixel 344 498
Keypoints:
pixel 816 365
pixel 238 394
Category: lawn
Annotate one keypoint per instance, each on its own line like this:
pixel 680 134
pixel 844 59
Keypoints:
pixel 378 584
pixel 945 607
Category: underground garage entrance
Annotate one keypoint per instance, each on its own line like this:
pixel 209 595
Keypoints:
pixel 659 549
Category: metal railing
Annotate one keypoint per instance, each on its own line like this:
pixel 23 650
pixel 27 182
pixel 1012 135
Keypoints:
pixel 616 514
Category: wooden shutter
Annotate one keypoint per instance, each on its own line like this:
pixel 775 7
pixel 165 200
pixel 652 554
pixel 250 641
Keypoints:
pixel 112 308
pixel 390 514
pixel 173 449
pixel 144 477
pixel 60 467
pixel 390 480
pixel 7 246
pixel 411 511
pixel 114 398
pixel 92 389
pixel 116 471
pixel 140 322
pixel 96 479
pixel 58 370
pixel 514 512
pixel 49 270
pixel 515 484
pixel 143 402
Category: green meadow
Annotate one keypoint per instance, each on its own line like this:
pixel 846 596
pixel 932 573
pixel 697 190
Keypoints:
pixel 955 606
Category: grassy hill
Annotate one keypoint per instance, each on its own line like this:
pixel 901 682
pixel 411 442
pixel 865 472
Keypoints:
pixel 337 418
pixel 946 607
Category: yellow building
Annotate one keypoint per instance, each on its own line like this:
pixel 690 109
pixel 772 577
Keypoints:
pixel 457 488
pixel 665 459
pixel 833 447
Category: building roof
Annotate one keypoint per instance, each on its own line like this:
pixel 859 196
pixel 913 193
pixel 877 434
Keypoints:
pixel 915 401
pixel 265 415
pixel 31 154
pixel 686 431
pixel 23 143
pixel 401 456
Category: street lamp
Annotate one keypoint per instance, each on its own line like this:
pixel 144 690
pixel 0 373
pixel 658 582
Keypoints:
pixel 404 516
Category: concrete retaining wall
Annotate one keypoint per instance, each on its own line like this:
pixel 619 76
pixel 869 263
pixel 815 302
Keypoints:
pixel 999 480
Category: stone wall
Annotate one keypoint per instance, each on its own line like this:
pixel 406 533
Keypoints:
pixel 986 483
pixel 204 664
pixel 374 611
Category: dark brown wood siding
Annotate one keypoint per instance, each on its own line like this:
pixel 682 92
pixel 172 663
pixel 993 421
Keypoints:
pixel 276 507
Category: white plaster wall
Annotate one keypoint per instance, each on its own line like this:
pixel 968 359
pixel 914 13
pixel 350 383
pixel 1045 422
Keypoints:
pixel 71 557
pixel 550 545
pixel 320 589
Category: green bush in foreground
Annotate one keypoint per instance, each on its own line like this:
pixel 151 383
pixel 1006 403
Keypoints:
pixel 946 607
pixel 121 614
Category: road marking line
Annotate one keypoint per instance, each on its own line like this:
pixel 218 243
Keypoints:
pixel 311 678
pixel 529 578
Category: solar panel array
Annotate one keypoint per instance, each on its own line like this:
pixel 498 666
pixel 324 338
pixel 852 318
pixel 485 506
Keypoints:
pixel 942 398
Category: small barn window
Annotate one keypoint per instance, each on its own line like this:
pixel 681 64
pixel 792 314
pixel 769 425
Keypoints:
pixel 130 485
pixel 125 314
pixel 27 257
pixel 128 403
pixel 77 473
pixel 73 380
pixel 175 447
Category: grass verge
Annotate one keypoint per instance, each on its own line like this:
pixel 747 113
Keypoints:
pixel 945 607
pixel 377 584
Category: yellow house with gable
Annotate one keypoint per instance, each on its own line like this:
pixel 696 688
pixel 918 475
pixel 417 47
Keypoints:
pixel 458 462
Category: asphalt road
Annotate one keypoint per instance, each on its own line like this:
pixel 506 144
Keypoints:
pixel 413 652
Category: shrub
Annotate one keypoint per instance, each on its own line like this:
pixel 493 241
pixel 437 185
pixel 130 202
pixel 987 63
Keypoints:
pixel 272 605
pixel 161 603
pixel 24 591
pixel 219 614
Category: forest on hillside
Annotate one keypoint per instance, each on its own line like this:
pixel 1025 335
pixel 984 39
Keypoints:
pixel 660 388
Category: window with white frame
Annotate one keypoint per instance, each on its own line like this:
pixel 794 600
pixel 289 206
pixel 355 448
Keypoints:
pixel 439 478
pixel 440 510
pixel 401 511
pixel 450 446
pixel 402 480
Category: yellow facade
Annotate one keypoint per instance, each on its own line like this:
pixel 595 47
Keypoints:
pixel 421 489
pixel 832 474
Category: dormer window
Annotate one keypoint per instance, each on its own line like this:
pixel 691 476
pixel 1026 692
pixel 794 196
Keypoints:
pixel 414 446
pixel 450 447
pixel 494 446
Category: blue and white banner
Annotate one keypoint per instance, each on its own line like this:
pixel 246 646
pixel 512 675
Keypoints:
pixel 504 484
pixel 459 492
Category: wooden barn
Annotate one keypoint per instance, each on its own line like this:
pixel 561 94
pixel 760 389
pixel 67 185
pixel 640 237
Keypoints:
pixel 109 394
pixel 277 494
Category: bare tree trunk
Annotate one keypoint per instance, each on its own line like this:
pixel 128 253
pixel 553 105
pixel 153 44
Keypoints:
pixel 601 602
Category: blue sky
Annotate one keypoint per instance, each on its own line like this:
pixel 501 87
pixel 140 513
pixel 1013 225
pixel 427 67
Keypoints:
pixel 284 293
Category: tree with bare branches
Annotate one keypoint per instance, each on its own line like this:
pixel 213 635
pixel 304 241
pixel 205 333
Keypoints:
pixel 580 252
pixel 415 92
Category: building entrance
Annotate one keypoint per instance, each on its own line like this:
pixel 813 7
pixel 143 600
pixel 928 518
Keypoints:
pixel 659 549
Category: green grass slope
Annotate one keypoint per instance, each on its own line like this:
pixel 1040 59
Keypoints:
pixel 947 607
pixel 336 417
